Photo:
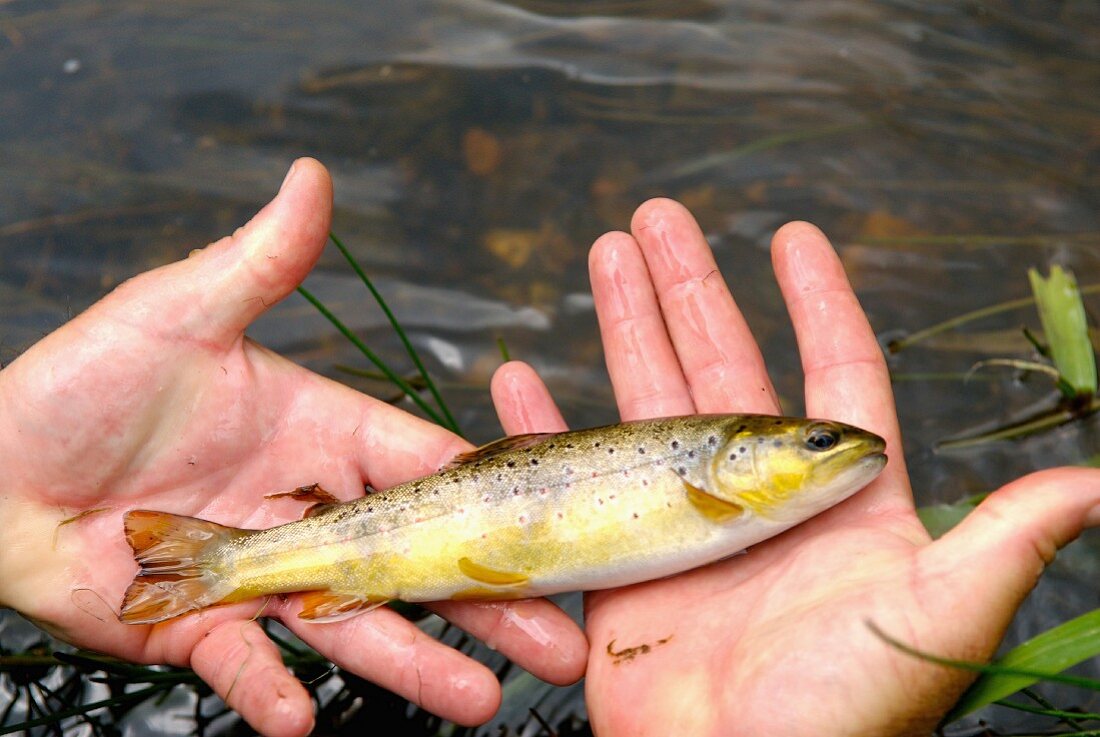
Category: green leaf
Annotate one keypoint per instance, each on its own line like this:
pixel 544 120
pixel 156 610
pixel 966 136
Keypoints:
pixel 1050 652
pixel 939 518
pixel 1063 316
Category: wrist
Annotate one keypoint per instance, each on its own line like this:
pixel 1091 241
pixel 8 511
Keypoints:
pixel 31 561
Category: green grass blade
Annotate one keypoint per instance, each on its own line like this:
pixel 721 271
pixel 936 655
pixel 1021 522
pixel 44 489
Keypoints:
pixel 450 424
pixel 390 374
pixel 1022 674
pixel 1056 713
pixel 921 335
pixel 1045 420
pixel 1048 653
pixel 81 709
pixel 1067 332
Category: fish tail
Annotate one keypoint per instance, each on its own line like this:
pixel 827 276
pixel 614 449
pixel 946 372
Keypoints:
pixel 176 575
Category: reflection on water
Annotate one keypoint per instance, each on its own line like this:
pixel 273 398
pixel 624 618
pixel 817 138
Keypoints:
pixel 478 147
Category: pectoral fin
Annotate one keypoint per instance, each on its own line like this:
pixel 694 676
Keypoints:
pixel 711 507
pixel 489 576
pixel 329 606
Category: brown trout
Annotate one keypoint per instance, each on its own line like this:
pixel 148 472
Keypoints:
pixel 528 515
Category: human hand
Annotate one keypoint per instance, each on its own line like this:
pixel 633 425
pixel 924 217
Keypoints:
pixel 153 398
pixel 777 641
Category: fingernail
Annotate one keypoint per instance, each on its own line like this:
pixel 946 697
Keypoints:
pixel 289 176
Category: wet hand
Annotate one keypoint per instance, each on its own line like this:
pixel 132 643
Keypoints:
pixel 776 641
pixel 154 399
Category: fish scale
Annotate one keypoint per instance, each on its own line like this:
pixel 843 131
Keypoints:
pixel 525 516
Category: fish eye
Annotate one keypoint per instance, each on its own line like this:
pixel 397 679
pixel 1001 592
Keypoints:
pixel 822 437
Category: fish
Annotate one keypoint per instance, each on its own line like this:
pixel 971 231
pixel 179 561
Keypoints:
pixel 525 516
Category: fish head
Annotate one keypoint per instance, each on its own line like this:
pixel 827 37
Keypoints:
pixel 789 469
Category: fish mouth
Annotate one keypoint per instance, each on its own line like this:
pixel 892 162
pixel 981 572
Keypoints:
pixel 877 459
pixel 865 459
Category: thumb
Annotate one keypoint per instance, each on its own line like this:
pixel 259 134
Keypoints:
pixel 242 276
pixel 215 293
pixel 997 553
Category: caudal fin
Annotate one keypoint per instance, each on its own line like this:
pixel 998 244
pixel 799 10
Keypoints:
pixel 174 554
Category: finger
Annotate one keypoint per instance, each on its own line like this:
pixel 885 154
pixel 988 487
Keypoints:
pixel 719 355
pixel 846 374
pixel 523 402
pixel 384 648
pixel 992 559
pixel 246 670
pixel 533 633
pixel 645 371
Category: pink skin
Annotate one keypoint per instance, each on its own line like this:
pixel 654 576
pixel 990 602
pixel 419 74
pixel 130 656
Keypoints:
pixel 154 399
pixel 776 641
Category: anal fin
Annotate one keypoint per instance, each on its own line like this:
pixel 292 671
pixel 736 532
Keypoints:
pixel 710 506
pixel 330 606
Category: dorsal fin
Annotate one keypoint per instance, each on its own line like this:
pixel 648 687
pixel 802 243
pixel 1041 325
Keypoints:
pixel 512 442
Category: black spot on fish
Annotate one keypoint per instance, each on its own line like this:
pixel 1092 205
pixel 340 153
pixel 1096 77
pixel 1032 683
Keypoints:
pixel 712 440
pixel 370 509
pixel 534 461
pixel 641 450
pixel 596 444
pixel 645 482
pixel 635 515
pixel 675 444
pixel 733 456
pixel 682 471
pixel 561 516
pixel 778 422
pixel 742 428
pixel 500 477
pixel 777 443
pixel 511 464
pixel 691 454
pixel 611 451
pixel 742 450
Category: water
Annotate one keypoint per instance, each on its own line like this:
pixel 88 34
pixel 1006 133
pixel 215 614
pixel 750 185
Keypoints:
pixel 479 147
